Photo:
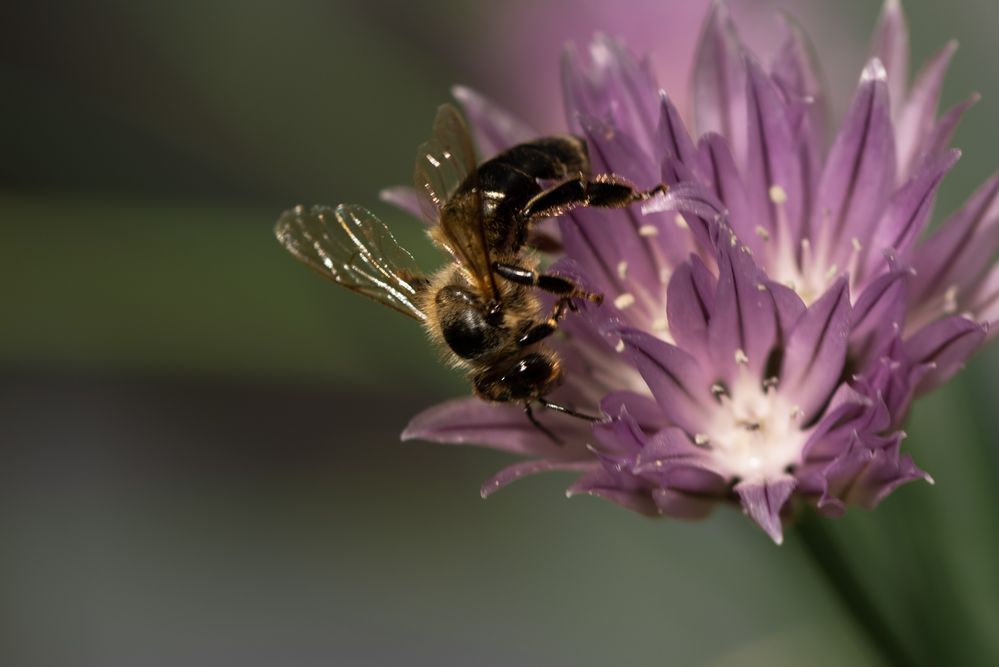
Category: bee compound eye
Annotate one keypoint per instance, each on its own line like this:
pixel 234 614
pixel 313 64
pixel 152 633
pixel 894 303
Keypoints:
pixel 467 333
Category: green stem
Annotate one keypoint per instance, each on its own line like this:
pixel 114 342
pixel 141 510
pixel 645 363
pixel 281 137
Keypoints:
pixel 829 561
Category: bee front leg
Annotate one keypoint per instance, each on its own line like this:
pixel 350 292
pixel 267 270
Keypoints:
pixel 541 330
pixel 558 285
pixel 603 191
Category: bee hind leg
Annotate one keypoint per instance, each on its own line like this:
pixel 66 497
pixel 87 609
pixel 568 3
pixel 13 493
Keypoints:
pixel 548 282
pixel 604 191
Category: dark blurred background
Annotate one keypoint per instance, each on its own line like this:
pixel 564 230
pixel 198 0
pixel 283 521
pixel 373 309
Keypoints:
pixel 199 438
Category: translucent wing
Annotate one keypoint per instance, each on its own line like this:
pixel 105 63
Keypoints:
pixel 444 163
pixel 352 247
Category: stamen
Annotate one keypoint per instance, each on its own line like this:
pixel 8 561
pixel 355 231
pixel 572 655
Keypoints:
pixel 660 324
pixel 740 356
pixel 622 270
pixel 619 346
pixel 718 390
pixel 648 230
pixel 624 300
pixel 701 439
pixel 950 300
pixel 777 194
pixel 681 221
pixel 762 232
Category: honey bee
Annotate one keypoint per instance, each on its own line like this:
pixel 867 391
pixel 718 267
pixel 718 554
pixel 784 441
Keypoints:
pixel 481 309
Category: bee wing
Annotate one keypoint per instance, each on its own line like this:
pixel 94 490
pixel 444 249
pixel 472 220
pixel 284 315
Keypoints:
pixel 443 163
pixel 352 247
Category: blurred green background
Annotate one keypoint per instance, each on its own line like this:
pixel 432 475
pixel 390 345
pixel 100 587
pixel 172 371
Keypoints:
pixel 200 456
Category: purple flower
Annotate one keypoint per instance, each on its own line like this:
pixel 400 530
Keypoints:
pixel 765 334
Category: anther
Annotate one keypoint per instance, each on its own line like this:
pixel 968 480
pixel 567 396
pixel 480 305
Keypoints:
pixel 777 194
pixel 624 300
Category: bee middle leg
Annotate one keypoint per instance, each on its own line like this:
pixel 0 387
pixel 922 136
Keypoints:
pixel 548 282
pixel 607 192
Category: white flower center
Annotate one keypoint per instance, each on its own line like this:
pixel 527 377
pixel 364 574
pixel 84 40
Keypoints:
pixel 755 432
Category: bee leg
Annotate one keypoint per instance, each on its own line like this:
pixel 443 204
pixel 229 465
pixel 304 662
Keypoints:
pixel 539 331
pixel 603 191
pixel 534 420
pixel 555 407
pixel 548 282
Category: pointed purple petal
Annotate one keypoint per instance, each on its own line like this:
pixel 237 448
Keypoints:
pixel 643 409
pixel 743 328
pixel 618 489
pixel 918 116
pixel 615 87
pixel 407 199
pixel 719 82
pixel 613 151
pixel 671 134
pixel 955 255
pixel 796 72
pixel 859 174
pixel 878 316
pixel 891 46
pixel 672 461
pixel 938 141
pixel 494 128
pixel 848 412
pixel 503 427
pixel 865 476
pixel 717 169
pixel 673 376
pixel 984 302
pixel 523 469
pixel 789 307
pixel 622 435
pixel 796 69
pixel 908 212
pixel 946 344
pixel 773 174
pixel 816 351
pixel 763 501
pixel 680 505
pixel 689 304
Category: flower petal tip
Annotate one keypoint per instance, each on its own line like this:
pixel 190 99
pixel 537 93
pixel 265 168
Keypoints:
pixel 874 71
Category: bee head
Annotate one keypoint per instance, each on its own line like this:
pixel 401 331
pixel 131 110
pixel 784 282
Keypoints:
pixel 524 379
